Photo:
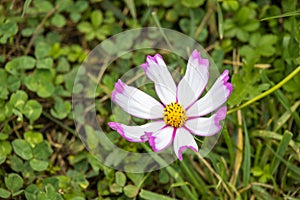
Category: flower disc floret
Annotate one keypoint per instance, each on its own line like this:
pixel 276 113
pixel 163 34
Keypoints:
pixel 174 115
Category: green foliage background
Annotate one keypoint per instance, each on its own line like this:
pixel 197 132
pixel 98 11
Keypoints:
pixel 43 42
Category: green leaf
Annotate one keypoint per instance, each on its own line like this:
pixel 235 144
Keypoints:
pixel 31 192
pixel 3 93
pixel 13 182
pixel 13 83
pixel 257 171
pixel 5 148
pixel 63 65
pixel 96 18
pixel 265 45
pixel 252 25
pixel 41 82
pixel 21 63
pixel 22 149
pixel 45 63
pixel 85 27
pixel 192 3
pixel 58 20
pixel 120 178
pixel 7 30
pixel 115 188
pixel 16 163
pixel 43 6
pixel 42 150
pixel 61 108
pixel 242 15
pixel 4 193
pixel 18 99
pixel 38 165
pixel 42 50
pixel 33 137
pixel 32 110
pixel 131 191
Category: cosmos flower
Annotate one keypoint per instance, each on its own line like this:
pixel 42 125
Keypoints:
pixel 180 114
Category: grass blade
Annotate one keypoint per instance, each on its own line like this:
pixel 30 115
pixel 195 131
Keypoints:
pixel 283 145
pixel 247 156
pixel 220 21
pixel 288 14
pixel 148 195
pixel 26 5
pixel 276 136
pixel 288 164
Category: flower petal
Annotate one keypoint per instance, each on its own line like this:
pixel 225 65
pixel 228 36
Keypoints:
pixel 206 126
pixel 183 140
pixel 157 71
pixel 213 99
pixel 136 133
pixel 136 102
pixel 162 138
pixel 194 81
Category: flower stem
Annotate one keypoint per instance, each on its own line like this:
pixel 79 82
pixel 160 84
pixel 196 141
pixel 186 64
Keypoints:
pixel 275 87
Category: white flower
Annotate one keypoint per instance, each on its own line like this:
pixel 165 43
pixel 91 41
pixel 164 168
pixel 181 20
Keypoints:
pixel 181 113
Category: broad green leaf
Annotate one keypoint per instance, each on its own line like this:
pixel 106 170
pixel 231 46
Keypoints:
pixel 20 63
pixel 31 192
pixel 120 178
pixel 115 188
pixel 45 63
pixel 96 18
pixel 18 99
pixel 13 83
pixel 33 137
pixel 131 191
pixel 43 6
pixel 42 150
pixel 192 3
pixel 85 27
pixel 63 65
pixel 38 165
pixel 16 163
pixel 7 30
pixel 22 149
pixel 61 108
pixel 13 182
pixel 32 110
pixel 42 50
pixel 58 20
pixel 4 193
pixel 5 148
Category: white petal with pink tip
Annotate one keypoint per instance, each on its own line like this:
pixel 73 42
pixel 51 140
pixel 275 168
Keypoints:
pixel 214 98
pixel 183 140
pixel 206 126
pixel 136 102
pixel 157 71
pixel 194 81
pixel 136 133
pixel 161 139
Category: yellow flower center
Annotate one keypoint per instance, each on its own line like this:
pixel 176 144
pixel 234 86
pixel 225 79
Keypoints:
pixel 174 115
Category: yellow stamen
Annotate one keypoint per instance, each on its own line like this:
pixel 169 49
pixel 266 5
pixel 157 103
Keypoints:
pixel 174 115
